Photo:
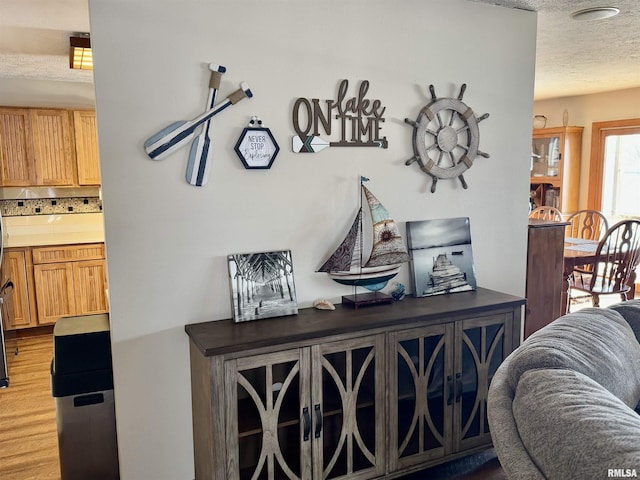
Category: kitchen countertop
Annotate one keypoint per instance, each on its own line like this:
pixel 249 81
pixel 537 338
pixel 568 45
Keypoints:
pixel 42 230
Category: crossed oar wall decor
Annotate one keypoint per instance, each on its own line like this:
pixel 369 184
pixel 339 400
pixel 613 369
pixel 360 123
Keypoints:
pixel 178 134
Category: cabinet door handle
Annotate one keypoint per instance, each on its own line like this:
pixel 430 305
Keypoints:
pixel 318 412
pixel 450 388
pixel 306 422
pixel 458 387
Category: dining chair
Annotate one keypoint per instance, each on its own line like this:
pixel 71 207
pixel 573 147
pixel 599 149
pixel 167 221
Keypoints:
pixel 546 213
pixel 587 224
pixel 611 272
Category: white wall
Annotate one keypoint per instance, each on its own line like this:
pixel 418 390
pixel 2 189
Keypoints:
pixel 584 110
pixel 167 241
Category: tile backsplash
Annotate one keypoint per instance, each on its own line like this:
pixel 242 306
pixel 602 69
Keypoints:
pixel 50 206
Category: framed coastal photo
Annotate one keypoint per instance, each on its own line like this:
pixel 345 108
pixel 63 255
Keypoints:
pixel 262 285
pixel 441 256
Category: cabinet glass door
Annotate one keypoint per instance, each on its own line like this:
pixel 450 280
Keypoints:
pixel 481 345
pixel 268 420
pixel 348 408
pixel 546 156
pixel 421 405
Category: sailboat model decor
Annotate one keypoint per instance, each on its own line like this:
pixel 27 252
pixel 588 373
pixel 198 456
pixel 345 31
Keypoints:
pixel 370 255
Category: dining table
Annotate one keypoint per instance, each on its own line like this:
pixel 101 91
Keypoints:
pixel 580 251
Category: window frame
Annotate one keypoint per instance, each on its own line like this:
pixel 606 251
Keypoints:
pixel 599 132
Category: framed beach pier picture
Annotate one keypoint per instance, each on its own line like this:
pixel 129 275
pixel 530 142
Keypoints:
pixel 441 256
pixel 262 285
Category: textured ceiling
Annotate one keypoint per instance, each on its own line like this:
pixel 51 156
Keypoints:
pixel 572 58
pixel 583 57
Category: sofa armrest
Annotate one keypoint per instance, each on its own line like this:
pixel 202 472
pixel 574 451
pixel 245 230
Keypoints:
pixel 574 427
pixel 630 311
pixel 513 455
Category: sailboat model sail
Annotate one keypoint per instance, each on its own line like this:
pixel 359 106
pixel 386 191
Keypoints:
pixel 350 264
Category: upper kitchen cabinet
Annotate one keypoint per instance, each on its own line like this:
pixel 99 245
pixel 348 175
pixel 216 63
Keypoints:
pixel 86 132
pixel 17 165
pixel 53 147
pixel 48 147
pixel 555 167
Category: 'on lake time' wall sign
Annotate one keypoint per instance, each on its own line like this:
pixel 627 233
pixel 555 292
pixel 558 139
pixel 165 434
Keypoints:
pixel 358 120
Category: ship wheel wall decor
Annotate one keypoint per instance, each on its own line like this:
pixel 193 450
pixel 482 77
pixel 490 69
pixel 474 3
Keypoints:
pixel 446 138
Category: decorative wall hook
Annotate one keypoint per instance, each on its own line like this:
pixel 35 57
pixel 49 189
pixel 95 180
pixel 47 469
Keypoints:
pixel 255 122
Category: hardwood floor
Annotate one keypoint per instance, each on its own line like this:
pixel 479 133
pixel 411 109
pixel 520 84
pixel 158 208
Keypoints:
pixel 28 433
pixel 482 466
pixel 29 438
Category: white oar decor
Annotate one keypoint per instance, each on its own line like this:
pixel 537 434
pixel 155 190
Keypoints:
pixel 201 148
pixel 178 134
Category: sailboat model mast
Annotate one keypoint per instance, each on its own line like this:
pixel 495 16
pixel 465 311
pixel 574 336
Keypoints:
pixel 369 256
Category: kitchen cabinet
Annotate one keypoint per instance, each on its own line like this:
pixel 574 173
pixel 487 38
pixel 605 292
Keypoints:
pixel 54 291
pixel 86 142
pixel 350 393
pixel 555 167
pixel 52 147
pixel 90 286
pixel 17 164
pixel 69 280
pixel 20 272
pixel 48 147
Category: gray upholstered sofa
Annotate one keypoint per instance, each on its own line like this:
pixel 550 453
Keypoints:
pixel 561 406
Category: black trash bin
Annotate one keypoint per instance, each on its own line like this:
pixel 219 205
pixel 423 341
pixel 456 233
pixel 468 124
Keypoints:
pixel 82 385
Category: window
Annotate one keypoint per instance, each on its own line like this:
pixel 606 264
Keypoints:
pixel 621 176
pixel 614 175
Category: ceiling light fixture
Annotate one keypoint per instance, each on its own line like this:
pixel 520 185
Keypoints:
pixel 595 13
pixel 80 55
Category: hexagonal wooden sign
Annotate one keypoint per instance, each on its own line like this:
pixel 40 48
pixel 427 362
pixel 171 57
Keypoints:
pixel 257 148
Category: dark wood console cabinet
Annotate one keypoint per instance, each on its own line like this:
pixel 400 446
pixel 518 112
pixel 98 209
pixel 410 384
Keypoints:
pixel 369 393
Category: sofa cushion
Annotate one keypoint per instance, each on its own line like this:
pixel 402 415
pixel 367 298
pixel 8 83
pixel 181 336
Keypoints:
pixel 630 311
pixel 574 428
pixel 596 342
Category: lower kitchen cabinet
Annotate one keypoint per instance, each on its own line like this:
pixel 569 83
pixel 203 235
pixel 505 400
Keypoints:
pixel 90 286
pixel 58 281
pixel 348 393
pixel 54 291
pixel 70 280
pixel 20 272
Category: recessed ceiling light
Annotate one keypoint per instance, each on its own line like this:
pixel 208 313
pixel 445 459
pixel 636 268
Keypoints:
pixel 595 13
